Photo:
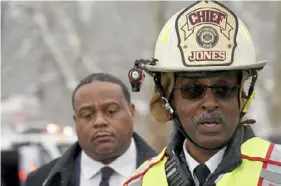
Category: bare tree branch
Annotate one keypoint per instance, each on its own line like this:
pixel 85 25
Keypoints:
pixel 276 106
pixel 68 74
pixel 85 10
pixel 75 39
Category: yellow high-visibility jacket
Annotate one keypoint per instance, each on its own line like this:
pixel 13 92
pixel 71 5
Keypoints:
pixel 260 166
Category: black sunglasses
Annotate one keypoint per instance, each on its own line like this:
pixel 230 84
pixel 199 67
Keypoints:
pixel 196 91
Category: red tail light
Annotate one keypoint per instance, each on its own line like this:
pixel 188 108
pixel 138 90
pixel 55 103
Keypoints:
pixel 22 175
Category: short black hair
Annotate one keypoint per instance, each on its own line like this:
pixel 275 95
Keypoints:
pixel 103 77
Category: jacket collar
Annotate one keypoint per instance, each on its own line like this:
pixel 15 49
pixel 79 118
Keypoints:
pixel 65 164
pixel 232 157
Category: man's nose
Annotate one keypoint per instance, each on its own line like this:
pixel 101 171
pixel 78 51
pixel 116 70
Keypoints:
pixel 209 101
pixel 100 121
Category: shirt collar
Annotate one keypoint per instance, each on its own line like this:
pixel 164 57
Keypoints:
pixel 126 163
pixel 212 163
pixel 90 167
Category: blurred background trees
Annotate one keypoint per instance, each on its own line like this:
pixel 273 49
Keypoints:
pixel 48 46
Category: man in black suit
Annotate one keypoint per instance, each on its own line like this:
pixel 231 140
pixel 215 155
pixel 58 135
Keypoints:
pixel 107 151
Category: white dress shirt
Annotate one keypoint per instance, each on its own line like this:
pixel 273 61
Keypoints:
pixel 212 163
pixel 124 166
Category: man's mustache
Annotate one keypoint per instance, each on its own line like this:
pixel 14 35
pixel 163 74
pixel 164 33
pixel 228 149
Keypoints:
pixel 209 116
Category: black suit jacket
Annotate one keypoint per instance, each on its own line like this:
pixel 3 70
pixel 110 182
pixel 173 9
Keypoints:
pixel 61 171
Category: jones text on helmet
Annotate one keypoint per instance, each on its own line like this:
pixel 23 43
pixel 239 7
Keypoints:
pixel 207 56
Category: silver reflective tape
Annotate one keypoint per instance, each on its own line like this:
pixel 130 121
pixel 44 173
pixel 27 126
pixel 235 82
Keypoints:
pixel 276 153
pixel 273 177
pixel 136 182
pixel 269 183
pixel 275 156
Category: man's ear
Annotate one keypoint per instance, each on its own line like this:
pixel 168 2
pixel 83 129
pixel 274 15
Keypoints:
pixel 132 109
pixel 75 122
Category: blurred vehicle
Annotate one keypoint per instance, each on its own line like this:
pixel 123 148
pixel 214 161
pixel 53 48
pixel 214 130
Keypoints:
pixel 9 168
pixel 38 146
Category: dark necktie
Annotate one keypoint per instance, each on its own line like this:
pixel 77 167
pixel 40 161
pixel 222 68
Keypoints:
pixel 202 172
pixel 106 172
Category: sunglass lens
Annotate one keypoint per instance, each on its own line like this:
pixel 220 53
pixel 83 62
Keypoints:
pixel 192 91
pixel 224 91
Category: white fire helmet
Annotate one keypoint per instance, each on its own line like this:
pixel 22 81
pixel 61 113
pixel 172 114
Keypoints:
pixel 206 36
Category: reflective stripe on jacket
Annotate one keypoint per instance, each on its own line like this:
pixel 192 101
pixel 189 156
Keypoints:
pixel 261 166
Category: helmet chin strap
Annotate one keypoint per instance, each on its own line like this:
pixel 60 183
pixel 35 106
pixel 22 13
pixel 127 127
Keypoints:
pixel 175 117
